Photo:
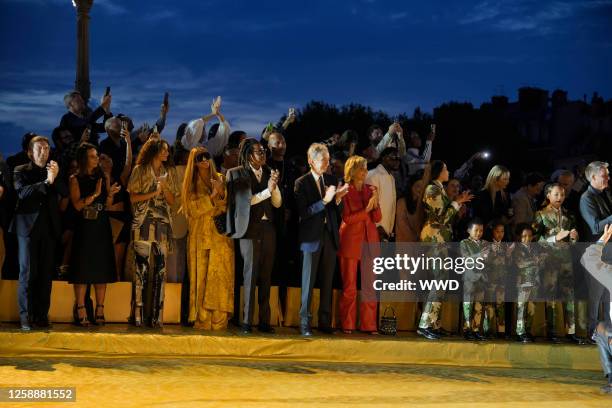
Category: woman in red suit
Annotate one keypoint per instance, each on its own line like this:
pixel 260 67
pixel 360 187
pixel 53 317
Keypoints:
pixel 360 213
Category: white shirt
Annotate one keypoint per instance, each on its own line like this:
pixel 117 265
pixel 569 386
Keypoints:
pixel 385 183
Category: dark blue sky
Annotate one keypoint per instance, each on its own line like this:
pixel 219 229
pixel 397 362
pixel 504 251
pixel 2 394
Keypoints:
pixel 263 57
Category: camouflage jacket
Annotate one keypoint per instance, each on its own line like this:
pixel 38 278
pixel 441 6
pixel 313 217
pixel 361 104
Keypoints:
pixel 440 213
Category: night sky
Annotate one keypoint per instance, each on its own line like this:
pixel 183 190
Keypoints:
pixel 265 56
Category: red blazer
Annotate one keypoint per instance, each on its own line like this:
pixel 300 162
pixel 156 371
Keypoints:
pixel 357 225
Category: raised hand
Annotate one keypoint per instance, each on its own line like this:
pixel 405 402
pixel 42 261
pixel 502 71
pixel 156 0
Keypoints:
pixel 218 186
pixel 215 107
pixel 106 102
pixel 561 235
pixel 52 171
pixel 464 197
pixel 342 190
pixel 330 192
pixel 573 235
pixel 85 135
pixel 273 181
pixel 115 188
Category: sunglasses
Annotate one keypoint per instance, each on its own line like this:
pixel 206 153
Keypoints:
pixel 201 157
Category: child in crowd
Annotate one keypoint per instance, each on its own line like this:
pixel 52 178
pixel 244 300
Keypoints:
pixel 497 272
pixel 525 257
pixel 474 280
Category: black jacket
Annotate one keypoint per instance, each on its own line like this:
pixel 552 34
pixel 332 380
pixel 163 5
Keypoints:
pixel 34 195
pixel 313 212
pixel 596 212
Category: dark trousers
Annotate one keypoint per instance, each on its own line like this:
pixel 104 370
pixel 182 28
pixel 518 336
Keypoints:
pixel 322 262
pixel 597 294
pixel 257 251
pixel 36 263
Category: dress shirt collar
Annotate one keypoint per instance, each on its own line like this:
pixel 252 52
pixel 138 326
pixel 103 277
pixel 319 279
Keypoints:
pixel 258 173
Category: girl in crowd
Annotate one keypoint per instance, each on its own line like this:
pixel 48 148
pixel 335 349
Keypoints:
pixel 210 254
pixel 497 274
pixel 176 260
pixel 93 257
pixel 440 213
pixel 409 213
pixel 152 195
pixel 360 214
pixel 555 225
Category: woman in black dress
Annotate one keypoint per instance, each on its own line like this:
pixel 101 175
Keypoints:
pixel 93 256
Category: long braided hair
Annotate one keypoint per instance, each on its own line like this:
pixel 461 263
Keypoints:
pixel 246 149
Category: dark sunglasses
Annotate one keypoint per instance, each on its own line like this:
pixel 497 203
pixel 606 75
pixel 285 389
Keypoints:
pixel 204 156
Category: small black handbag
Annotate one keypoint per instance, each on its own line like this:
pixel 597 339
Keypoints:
pixel 388 324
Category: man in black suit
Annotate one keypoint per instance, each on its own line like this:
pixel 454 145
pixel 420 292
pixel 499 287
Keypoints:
pixel 37 225
pixel 252 195
pixel 318 203
pixel 596 211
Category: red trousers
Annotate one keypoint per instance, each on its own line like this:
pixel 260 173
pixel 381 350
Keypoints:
pixel 348 300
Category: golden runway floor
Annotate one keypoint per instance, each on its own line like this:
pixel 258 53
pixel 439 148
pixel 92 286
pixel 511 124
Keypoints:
pixel 198 382
pixel 121 366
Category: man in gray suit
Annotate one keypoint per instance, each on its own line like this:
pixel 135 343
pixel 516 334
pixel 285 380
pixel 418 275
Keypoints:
pixel 596 211
pixel 252 194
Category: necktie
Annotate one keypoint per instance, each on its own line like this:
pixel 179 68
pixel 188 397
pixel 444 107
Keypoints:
pixel 322 191
pixel 321 187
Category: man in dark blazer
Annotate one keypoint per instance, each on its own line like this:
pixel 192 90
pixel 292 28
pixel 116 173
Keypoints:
pixel 252 195
pixel 596 211
pixel 318 202
pixel 37 225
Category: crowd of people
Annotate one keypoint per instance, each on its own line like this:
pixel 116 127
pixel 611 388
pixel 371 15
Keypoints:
pixel 217 210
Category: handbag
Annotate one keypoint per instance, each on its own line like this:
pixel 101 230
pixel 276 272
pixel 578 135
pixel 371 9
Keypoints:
pixel 388 324
pixel 221 223
pixel 91 212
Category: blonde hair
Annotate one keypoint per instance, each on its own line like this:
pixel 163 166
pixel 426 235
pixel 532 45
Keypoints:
pixel 352 163
pixel 495 174
pixel 190 181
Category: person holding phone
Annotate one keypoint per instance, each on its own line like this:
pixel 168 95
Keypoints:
pixel 80 116
pixel 151 196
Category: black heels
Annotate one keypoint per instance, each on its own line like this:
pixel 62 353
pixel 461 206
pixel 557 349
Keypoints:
pixel 100 321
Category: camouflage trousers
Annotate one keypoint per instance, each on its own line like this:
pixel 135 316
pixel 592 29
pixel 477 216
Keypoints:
pixel 558 283
pixel 473 297
pixel 430 318
pixel 525 309
pixel 495 312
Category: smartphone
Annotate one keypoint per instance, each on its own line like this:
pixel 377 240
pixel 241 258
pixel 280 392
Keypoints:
pixel 107 92
pixel 166 99
pixel 291 111
pixel 155 129
pixel 433 128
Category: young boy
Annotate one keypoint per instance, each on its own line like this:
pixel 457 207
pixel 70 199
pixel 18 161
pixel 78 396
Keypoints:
pixel 526 259
pixel 474 281
pixel 497 272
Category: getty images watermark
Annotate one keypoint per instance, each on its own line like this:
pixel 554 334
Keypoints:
pixel 414 272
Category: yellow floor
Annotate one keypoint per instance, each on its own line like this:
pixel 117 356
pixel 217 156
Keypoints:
pixel 198 382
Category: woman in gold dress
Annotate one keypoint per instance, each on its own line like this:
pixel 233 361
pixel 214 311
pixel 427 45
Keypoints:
pixel 210 255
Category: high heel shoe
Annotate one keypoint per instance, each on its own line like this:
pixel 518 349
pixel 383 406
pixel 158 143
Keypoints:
pixel 137 316
pixel 100 321
pixel 82 321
